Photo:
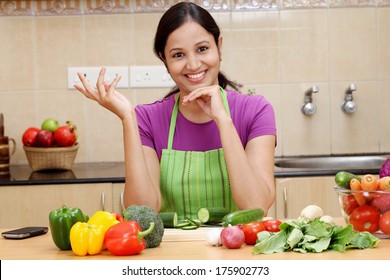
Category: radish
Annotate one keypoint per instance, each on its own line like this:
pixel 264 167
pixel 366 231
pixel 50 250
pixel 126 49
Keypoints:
pixel 232 237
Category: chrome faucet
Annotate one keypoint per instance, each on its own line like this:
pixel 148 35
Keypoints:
pixel 349 106
pixel 309 108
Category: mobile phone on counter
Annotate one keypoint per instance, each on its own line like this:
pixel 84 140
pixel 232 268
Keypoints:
pixel 25 232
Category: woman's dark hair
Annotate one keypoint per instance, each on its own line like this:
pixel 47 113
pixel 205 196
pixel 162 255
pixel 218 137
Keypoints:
pixel 175 17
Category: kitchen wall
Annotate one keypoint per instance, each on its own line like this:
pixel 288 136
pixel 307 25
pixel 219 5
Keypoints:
pixel 278 51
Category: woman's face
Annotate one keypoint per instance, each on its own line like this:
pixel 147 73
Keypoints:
pixel 192 57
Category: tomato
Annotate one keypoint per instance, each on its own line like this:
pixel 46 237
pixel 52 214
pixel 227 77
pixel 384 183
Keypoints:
pixel 365 218
pixel 272 225
pixel 250 231
pixel 384 222
pixel 349 203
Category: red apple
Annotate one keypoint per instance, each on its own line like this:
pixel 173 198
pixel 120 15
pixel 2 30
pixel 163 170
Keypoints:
pixel 29 135
pixel 44 139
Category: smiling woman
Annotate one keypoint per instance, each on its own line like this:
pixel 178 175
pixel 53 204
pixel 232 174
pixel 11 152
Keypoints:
pixel 170 165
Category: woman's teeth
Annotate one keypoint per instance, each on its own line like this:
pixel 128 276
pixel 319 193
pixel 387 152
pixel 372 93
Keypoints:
pixel 196 76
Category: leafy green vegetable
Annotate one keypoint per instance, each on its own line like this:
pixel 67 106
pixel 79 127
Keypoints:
pixel 305 236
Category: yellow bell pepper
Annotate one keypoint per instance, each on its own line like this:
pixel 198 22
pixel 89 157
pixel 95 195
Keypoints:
pixel 86 238
pixel 104 218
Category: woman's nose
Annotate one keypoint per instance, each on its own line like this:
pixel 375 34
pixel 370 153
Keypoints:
pixel 193 62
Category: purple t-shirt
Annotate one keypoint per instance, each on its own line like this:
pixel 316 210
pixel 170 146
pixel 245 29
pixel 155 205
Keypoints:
pixel 252 116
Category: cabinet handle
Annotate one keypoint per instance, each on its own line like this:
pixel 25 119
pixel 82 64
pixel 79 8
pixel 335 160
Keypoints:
pixel 122 204
pixel 285 210
pixel 103 200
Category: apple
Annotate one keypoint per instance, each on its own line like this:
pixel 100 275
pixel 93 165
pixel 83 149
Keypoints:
pixel 44 139
pixel 65 135
pixel 29 135
pixel 50 124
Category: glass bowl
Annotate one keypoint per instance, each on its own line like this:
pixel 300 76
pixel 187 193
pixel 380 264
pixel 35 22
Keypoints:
pixel 365 210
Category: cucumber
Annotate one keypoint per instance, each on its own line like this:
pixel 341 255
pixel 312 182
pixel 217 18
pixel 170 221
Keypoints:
pixel 169 219
pixel 343 178
pixel 243 217
pixel 212 215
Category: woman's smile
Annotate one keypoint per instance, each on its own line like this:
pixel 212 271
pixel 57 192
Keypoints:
pixel 196 77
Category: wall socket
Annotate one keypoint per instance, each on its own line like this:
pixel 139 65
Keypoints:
pixel 150 77
pixel 92 73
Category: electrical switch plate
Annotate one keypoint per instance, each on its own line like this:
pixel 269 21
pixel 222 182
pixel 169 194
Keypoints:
pixel 92 73
pixel 150 77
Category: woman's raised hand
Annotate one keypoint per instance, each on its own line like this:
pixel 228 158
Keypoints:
pixel 105 94
pixel 209 99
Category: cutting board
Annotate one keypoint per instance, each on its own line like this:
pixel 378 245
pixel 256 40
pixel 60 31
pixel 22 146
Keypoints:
pixel 174 235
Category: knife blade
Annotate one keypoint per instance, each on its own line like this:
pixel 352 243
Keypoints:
pixel 1 125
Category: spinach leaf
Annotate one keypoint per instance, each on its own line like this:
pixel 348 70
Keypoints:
pixel 302 235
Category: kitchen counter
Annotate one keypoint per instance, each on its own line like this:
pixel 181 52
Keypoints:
pixel 114 172
pixel 179 245
pixel 103 172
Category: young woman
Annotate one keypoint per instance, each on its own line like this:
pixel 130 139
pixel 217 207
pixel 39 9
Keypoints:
pixel 204 144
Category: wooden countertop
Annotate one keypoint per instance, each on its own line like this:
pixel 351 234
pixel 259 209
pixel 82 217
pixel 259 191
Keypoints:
pixel 177 245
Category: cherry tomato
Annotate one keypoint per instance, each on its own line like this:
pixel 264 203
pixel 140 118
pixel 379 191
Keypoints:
pixel 384 222
pixel 272 225
pixel 349 203
pixel 365 218
pixel 250 231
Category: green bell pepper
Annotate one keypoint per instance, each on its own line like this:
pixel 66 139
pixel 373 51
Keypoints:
pixel 61 221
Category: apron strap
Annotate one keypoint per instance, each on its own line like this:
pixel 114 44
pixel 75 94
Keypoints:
pixel 175 111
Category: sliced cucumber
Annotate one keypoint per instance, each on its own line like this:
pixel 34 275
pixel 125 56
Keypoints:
pixel 212 215
pixel 169 219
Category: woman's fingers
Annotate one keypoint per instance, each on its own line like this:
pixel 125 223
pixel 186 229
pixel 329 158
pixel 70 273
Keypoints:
pixel 100 82
pixel 114 83
pixel 86 88
pixel 205 93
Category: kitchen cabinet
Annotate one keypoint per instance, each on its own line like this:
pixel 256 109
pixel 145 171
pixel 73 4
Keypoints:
pixel 30 205
pixel 293 194
pixel 117 197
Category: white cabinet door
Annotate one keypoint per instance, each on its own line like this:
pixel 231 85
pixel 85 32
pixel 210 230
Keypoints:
pixel 293 194
pixel 30 205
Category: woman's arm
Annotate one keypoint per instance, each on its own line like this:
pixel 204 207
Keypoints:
pixel 142 169
pixel 251 171
pixel 141 163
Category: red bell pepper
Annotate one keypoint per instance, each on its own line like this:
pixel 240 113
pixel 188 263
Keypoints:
pixel 126 238
pixel 118 217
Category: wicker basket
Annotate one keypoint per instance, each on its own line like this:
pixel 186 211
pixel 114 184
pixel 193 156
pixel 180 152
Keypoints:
pixel 61 158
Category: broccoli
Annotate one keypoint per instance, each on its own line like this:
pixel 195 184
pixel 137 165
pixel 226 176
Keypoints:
pixel 144 215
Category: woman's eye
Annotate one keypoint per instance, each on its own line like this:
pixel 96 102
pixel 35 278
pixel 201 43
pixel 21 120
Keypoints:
pixel 176 55
pixel 202 49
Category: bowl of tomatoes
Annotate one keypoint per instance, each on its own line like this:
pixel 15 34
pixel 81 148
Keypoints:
pixel 365 203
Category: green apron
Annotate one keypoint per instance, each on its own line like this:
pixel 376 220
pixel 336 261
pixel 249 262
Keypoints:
pixel 190 180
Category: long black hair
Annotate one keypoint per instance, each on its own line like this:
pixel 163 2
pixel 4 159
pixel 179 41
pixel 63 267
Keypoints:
pixel 175 17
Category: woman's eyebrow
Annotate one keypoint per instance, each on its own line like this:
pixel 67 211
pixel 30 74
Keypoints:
pixel 197 44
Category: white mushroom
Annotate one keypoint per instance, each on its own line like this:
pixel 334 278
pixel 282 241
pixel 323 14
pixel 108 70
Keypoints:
pixel 311 212
pixel 327 219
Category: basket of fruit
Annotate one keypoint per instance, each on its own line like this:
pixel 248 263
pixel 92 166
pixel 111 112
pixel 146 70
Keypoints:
pixel 51 147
